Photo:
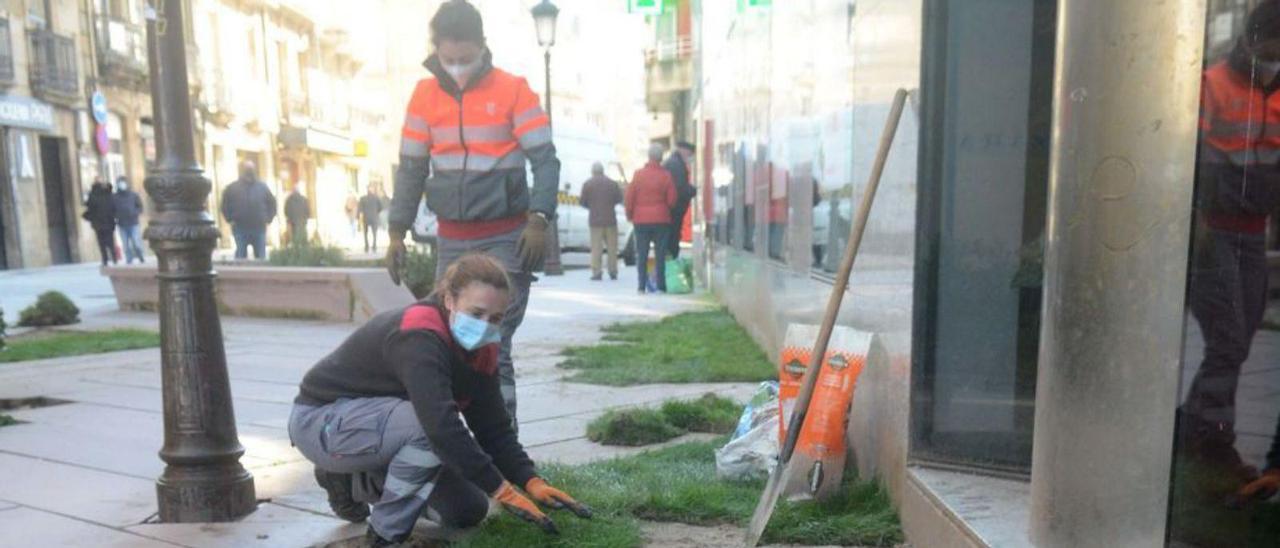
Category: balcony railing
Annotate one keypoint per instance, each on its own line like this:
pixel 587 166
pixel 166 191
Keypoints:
pixel 53 66
pixel 122 50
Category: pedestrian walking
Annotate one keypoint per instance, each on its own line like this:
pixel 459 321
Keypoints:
pixel 1238 189
pixel 601 196
pixel 128 208
pixel 650 198
pixel 476 158
pixel 371 218
pixel 297 210
pixel 249 206
pixel 100 211
pixel 679 164
pixel 387 410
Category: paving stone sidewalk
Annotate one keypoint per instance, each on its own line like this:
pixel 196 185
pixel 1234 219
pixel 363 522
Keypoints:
pixel 83 473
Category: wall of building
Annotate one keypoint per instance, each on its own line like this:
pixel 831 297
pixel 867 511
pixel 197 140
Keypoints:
pixel 791 117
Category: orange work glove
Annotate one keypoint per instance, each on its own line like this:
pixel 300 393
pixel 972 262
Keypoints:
pixel 523 508
pixel 555 498
pixel 1262 488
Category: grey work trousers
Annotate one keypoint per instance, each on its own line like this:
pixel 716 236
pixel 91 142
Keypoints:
pixel 503 248
pixel 376 437
pixel 1228 298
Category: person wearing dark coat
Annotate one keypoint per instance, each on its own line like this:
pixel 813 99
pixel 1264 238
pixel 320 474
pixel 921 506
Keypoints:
pixel 371 217
pixel 100 211
pixel 128 209
pixel 296 211
pixel 249 206
pixel 677 165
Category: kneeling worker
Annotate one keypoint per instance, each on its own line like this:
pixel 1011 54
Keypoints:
pixel 392 400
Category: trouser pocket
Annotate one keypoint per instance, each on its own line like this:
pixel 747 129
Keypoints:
pixel 354 427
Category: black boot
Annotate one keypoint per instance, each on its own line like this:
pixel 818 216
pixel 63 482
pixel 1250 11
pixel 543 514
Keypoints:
pixel 338 486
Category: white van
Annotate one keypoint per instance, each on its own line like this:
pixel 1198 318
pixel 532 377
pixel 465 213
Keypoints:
pixel 577 146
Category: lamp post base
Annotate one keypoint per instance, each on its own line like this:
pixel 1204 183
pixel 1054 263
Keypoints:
pixel 202 494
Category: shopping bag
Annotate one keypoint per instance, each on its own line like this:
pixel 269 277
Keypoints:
pixel 678 279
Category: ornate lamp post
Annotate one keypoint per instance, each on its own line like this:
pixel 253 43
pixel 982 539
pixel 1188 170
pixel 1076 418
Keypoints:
pixel 544 22
pixel 203 479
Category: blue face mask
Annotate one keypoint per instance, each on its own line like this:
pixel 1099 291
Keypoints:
pixel 471 332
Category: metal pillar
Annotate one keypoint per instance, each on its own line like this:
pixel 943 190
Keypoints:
pixel 203 479
pixel 1124 139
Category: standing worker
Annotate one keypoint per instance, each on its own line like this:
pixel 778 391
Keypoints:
pixel 128 208
pixel 371 217
pixel 390 403
pixel 650 197
pixel 100 211
pixel 249 206
pixel 297 210
pixel 678 165
pixel 1238 188
pixel 475 159
pixel 601 195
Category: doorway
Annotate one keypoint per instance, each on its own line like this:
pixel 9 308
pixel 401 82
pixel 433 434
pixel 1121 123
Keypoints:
pixel 52 163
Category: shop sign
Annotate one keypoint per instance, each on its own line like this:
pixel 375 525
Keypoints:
pixel 25 112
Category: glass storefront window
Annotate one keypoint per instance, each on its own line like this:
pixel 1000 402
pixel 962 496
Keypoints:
pixel 981 221
pixel 1227 446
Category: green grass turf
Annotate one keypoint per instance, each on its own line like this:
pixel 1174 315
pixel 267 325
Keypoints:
pixel 692 347
pixel 57 344
pixel 678 484
pixel 633 427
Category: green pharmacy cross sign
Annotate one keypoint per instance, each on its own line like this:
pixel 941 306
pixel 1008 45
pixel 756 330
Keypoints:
pixel 647 7
pixel 753 5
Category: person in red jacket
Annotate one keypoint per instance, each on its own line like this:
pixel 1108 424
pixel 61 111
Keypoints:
pixel 649 200
pixel 1238 189
pixel 405 419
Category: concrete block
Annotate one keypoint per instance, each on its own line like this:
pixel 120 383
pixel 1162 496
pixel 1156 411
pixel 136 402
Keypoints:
pixel 28 527
pixel 270 525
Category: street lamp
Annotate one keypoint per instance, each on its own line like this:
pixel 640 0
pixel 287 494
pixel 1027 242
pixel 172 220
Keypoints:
pixel 203 479
pixel 544 22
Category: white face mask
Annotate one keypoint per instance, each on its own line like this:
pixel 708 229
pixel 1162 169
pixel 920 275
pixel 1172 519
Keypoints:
pixel 462 73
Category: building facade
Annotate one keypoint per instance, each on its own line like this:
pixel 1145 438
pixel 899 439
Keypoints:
pixel 44 130
pixel 1028 268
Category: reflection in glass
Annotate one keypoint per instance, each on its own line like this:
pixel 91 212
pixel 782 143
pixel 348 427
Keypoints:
pixel 985 219
pixel 1227 460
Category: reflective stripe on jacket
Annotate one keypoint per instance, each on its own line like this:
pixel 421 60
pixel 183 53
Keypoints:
pixel 1239 174
pixel 466 149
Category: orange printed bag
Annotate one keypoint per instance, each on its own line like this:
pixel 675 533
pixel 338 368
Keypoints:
pixel 819 457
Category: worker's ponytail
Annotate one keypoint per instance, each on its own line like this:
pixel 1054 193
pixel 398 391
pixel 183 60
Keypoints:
pixel 472 267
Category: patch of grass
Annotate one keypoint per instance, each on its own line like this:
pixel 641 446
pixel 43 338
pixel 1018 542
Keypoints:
pixel 6 420
pixel 57 344
pixel 632 427
pixel 692 347
pixel 679 484
pixel 710 413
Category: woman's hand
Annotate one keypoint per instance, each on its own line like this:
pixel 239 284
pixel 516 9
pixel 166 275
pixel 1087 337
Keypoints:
pixel 555 498
pixel 523 508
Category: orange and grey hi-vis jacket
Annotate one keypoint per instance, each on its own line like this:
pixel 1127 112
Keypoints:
pixel 1239 172
pixel 466 150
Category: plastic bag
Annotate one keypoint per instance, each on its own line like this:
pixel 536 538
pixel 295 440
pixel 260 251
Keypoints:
pixel 753 450
pixel 679 274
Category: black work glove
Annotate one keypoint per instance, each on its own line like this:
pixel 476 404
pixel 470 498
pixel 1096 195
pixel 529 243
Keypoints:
pixel 396 255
